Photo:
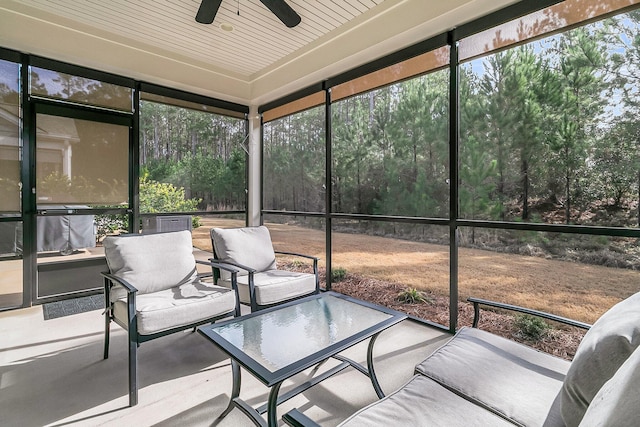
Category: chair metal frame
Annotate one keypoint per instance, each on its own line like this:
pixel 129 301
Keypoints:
pixel 251 272
pixel 135 338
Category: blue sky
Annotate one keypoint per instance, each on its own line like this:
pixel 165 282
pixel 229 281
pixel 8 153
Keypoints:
pixel 9 73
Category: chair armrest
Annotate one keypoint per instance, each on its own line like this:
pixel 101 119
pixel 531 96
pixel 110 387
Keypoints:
pixel 297 254
pixel 230 263
pixel 234 277
pixel 223 266
pixel 295 418
pixel 315 265
pixel 118 281
pixel 476 309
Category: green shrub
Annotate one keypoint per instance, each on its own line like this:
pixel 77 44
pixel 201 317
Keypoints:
pixel 157 197
pixel 296 263
pixel 412 296
pixel 531 327
pixel 338 274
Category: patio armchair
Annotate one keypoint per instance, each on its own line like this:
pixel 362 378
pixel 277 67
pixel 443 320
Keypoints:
pixel 260 283
pixel 153 289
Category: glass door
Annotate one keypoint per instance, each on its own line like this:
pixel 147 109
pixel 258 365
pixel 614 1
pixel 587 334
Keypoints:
pixel 82 168
pixel 11 265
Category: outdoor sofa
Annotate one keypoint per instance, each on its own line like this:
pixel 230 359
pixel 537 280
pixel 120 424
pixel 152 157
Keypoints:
pixel 480 379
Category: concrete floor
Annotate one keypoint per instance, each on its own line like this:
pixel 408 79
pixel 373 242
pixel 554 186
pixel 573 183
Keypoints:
pixel 52 373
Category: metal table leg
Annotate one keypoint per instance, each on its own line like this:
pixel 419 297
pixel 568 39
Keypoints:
pixel 235 390
pixel 372 374
pixel 272 414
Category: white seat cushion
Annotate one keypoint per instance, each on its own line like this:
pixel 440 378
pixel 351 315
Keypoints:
pixel 506 377
pixel 423 403
pixel 179 306
pixel 274 286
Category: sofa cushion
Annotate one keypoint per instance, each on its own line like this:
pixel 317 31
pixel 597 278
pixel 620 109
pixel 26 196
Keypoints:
pixel 151 262
pixel 274 286
pixel 184 305
pixel 423 402
pixel 506 377
pixel 249 246
pixel 618 400
pixel 609 342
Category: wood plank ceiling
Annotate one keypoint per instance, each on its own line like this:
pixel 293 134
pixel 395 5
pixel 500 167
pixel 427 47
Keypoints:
pixel 258 38
pixel 159 41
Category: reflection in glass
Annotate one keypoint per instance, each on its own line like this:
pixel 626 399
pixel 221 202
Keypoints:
pixel 10 264
pixel 9 137
pixel 67 87
pixel 412 67
pixel 294 162
pixel 313 326
pixel 161 99
pixel 545 21
pixel 81 162
pixel 297 106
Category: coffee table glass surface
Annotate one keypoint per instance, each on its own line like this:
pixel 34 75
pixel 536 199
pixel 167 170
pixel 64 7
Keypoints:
pixel 302 329
pixel 277 343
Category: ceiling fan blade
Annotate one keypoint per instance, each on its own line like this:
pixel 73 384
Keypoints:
pixel 283 11
pixel 207 11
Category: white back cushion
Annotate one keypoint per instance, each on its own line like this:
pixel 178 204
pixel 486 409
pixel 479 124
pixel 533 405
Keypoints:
pixel 249 246
pixel 604 348
pixel 618 401
pixel 152 262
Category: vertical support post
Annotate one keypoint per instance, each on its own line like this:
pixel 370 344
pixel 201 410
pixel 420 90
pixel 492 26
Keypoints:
pixel 454 139
pixel 255 173
pixel 328 199
pixel 247 159
pixel 28 178
pixel 134 165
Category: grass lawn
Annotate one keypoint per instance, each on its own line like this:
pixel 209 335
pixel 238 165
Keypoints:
pixel 578 291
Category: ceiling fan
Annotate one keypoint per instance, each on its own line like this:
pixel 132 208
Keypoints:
pixel 284 12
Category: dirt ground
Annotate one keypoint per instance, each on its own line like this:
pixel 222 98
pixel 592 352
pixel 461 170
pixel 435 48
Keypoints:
pixel 578 291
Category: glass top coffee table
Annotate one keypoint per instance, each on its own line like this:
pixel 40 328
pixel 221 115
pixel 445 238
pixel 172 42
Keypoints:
pixel 280 342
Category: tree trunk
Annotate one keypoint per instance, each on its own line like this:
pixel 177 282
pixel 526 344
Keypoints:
pixel 568 197
pixel 156 140
pixel 501 180
pixel 143 155
pixel 525 190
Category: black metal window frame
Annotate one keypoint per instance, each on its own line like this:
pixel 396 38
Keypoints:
pixel 31 105
pixel 203 100
pixel 454 222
